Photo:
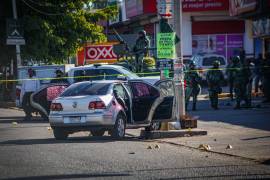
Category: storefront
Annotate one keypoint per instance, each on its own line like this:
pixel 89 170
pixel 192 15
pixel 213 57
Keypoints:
pixel 209 28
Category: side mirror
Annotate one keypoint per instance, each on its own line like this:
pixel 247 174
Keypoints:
pixel 122 78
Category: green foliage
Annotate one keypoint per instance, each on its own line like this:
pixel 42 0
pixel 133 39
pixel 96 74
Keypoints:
pixel 54 30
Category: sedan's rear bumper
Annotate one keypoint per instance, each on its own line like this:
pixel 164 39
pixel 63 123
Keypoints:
pixel 86 122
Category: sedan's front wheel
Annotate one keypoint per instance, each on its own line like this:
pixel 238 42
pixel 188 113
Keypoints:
pixel 60 134
pixel 119 127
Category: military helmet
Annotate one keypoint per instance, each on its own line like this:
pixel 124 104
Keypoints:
pixel 236 59
pixel 192 64
pixel 142 32
pixel 216 63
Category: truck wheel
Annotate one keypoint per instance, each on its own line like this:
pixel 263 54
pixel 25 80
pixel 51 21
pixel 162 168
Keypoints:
pixel 60 134
pixel 119 129
pixel 98 133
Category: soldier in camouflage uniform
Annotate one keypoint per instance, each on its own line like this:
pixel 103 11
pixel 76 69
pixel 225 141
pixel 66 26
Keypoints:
pixel 140 50
pixel 240 82
pixel 193 88
pixel 214 79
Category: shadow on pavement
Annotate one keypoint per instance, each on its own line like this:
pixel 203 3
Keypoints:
pixel 89 139
pixel 72 176
pixel 256 118
pixel 20 120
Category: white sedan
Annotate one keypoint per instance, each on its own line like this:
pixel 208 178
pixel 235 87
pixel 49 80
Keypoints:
pixel 111 106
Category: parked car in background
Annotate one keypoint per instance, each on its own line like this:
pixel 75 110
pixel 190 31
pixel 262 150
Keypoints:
pixel 111 106
pixel 96 72
pixel 205 61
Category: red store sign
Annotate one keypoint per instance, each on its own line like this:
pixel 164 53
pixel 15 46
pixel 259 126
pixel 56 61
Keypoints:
pixel 98 53
pixel 205 5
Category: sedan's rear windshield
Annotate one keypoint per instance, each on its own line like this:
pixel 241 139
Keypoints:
pixel 86 89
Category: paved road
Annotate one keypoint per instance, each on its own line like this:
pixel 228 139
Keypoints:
pixel 28 151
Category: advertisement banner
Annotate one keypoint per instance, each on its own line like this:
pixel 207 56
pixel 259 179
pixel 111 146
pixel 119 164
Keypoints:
pixel 261 27
pixel 166 45
pixel 234 43
pixel 238 7
pixel 209 5
pixel 99 52
pixel 226 45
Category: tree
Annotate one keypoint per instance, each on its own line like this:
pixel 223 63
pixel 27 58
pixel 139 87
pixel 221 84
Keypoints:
pixel 54 30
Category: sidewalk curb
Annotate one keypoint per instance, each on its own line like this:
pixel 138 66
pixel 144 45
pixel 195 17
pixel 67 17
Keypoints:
pixel 210 151
pixel 171 134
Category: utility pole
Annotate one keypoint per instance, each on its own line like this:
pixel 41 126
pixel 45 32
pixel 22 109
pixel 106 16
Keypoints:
pixel 18 49
pixel 178 63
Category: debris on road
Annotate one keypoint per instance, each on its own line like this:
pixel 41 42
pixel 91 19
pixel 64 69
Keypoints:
pixel 205 147
pixel 49 128
pixel 229 146
pixel 14 123
pixel 131 153
pixel 149 147
pixel 157 146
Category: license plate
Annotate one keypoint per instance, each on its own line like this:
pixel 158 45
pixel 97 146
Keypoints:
pixel 76 119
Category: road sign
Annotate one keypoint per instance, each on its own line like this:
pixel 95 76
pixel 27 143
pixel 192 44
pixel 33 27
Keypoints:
pixel 165 8
pixel 14 32
pixel 166 45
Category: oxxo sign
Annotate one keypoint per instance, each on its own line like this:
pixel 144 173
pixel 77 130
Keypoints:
pixel 99 52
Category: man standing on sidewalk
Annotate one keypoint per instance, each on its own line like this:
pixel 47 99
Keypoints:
pixel 29 86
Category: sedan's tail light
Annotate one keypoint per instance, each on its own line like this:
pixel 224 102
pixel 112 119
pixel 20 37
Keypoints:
pixel 96 105
pixel 56 107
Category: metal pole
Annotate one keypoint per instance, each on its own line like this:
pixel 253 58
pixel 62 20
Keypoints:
pixel 179 73
pixel 18 49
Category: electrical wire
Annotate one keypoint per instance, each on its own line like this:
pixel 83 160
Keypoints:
pixel 38 4
pixel 42 12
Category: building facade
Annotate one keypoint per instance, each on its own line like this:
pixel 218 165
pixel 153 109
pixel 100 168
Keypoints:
pixel 257 13
pixel 207 26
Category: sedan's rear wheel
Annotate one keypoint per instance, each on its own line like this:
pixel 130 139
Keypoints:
pixel 119 127
pixel 60 134
pixel 98 133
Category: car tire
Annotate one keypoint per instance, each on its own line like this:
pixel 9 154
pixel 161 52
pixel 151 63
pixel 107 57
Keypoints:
pixel 153 127
pixel 119 129
pixel 60 134
pixel 98 133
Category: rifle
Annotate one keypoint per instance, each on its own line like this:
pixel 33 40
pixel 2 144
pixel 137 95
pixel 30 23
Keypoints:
pixel 121 40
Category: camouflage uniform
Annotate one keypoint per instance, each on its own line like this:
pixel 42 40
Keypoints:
pixel 229 74
pixel 214 78
pixel 193 88
pixel 240 82
pixel 140 50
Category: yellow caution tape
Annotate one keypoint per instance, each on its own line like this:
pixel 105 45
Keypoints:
pixel 148 73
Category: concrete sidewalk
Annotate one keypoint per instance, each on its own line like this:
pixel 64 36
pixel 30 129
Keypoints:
pixel 247 131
